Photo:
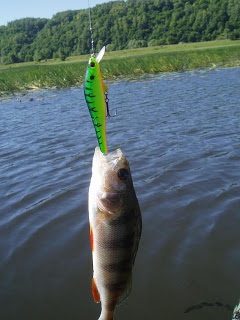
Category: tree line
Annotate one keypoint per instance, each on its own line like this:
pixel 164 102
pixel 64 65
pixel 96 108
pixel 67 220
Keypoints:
pixel 119 25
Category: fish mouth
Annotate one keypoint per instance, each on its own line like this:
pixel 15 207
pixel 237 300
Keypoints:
pixel 111 156
pixel 110 183
pixel 103 162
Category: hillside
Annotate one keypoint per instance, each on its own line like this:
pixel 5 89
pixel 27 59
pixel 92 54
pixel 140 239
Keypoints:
pixel 119 25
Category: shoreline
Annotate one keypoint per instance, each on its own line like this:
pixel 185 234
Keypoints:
pixel 126 64
pixel 6 95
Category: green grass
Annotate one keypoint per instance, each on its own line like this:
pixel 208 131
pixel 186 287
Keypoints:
pixel 41 76
pixel 125 63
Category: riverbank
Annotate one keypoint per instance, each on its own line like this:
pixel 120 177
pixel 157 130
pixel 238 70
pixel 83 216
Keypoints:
pixel 117 64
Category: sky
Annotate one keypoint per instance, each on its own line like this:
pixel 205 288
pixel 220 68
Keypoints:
pixel 16 9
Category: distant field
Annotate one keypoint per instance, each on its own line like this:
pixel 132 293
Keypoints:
pixel 125 63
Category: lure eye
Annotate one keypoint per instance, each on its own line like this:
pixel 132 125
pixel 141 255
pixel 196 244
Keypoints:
pixel 92 77
pixel 92 64
pixel 123 174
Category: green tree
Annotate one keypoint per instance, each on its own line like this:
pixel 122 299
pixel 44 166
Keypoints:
pixel 119 25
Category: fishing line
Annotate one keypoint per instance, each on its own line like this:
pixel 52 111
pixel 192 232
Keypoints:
pixel 209 304
pixel 90 25
pixel 93 54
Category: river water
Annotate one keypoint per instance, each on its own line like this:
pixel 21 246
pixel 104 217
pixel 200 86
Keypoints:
pixel 181 134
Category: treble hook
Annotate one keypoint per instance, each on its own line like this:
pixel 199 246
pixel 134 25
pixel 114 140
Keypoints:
pixel 107 106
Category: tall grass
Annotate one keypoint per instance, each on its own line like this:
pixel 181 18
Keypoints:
pixel 129 63
pixel 171 61
pixel 41 76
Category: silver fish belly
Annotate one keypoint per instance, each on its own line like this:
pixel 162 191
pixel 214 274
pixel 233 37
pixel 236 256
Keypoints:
pixel 115 229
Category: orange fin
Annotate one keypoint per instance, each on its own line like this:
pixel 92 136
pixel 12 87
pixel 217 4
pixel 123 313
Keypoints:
pixel 91 237
pixel 95 293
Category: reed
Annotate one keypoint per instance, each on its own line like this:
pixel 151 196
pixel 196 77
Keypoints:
pixel 127 63
pixel 171 61
pixel 41 76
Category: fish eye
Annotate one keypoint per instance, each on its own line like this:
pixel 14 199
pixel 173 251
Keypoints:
pixel 123 174
pixel 92 64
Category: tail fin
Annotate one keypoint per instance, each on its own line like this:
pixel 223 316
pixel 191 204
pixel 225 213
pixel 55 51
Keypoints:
pixel 236 312
pixel 208 304
pixel 106 314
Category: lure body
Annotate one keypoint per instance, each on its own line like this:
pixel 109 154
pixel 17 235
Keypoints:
pixel 94 91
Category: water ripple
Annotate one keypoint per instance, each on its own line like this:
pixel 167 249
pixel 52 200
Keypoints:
pixel 180 132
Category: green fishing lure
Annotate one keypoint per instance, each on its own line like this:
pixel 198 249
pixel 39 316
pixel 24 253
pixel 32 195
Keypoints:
pixel 95 91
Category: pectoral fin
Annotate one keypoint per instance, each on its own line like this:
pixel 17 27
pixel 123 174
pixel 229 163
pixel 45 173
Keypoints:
pixel 91 238
pixel 95 293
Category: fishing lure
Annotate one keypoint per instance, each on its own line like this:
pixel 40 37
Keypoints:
pixel 95 91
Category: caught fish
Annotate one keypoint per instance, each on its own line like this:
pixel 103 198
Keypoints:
pixel 115 229
pixel 95 95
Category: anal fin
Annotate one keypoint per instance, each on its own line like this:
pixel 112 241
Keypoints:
pixel 95 292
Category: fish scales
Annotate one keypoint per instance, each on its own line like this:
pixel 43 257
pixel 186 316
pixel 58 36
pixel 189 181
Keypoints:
pixel 115 229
